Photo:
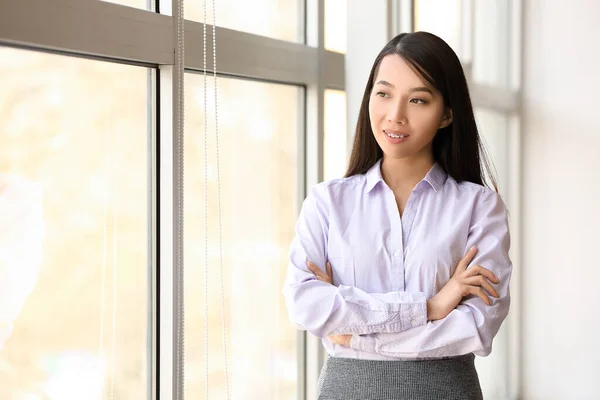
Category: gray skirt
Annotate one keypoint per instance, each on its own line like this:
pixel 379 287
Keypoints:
pixel 445 379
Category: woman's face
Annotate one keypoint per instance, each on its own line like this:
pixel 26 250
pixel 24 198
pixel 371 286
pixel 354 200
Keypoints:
pixel 405 110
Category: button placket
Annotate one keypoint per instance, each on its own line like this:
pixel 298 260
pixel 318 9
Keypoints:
pixel 408 219
pixel 396 242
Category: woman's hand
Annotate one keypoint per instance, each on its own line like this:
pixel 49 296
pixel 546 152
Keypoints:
pixel 320 275
pixel 464 282
pixel 342 340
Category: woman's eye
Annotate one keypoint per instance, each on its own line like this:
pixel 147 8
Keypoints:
pixel 381 94
pixel 418 101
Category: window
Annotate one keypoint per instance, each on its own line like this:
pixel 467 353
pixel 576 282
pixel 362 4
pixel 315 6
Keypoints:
pixel 259 135
pixel 97 130
pixel 491 38
pixel 335 25
pixel 480 32
pixel 74 254
pixel 442 18
pixel 335 147
pixel 277 19
pixel 494 131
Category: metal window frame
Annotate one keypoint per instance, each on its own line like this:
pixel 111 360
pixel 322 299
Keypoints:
pixel 116 33
pixel 103 30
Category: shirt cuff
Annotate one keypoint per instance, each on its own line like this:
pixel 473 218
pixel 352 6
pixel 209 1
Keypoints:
pixel 414 315
pixel 363 343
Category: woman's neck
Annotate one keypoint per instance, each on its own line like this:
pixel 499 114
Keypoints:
pixel 404 173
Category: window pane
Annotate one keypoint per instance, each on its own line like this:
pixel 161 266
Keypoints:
pixel 493 128
pixel 259 130
pixel 74 238
pixel 442 18
pixel 498 130
pixel 273 18
pixel 143 4
pixel 335 25
pixel 491 60
pixel 335 148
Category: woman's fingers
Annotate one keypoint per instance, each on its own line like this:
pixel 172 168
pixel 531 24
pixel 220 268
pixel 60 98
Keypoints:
pixel 343 340
pixel 466 260
pixel 478 269
pixel 315 270
pixel 485 284
pixel 319 274
pixel 478 291
pixel 480 280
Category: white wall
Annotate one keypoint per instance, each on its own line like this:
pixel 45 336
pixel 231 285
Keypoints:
pixel 561 200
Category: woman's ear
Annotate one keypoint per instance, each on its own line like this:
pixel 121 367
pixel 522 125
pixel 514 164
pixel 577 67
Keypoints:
pixel 446 119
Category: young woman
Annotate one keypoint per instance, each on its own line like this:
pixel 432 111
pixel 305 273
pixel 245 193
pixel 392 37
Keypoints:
pixel 402 267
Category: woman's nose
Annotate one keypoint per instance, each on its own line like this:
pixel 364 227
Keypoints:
pixel 397 115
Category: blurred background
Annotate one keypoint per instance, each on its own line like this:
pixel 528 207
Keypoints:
pixel 88 117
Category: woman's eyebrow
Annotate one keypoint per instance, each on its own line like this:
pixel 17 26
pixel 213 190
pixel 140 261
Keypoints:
pixel 385 83
pixel 413 90
pixel 421 89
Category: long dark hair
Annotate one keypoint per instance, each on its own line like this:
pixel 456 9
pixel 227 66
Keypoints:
pixel 457 147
